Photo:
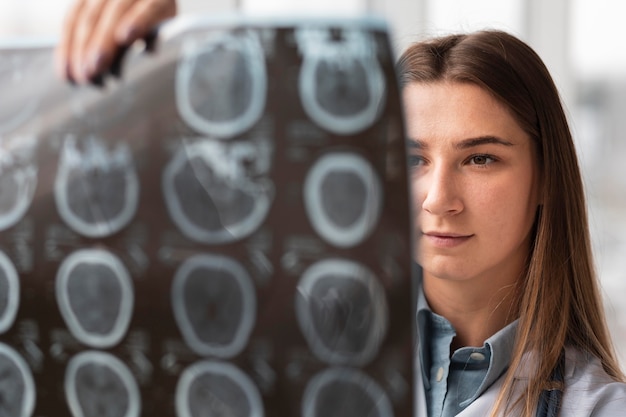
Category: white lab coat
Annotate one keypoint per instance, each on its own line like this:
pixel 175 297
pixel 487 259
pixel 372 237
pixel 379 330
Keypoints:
pixel 589 391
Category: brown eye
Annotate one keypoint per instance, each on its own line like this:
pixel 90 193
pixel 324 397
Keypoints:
pixel 481 160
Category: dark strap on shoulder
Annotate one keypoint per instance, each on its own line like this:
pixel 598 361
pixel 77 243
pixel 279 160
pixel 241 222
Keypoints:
pixel 550 400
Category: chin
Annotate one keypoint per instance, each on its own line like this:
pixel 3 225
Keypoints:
pixel 445 269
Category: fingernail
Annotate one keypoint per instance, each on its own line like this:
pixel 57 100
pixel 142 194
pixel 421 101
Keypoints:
pixel 78 74
pixel 129 34
pixel 67 74
pixel 91 66
pixel 94 65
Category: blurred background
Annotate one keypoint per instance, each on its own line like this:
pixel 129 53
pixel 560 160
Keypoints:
pixel 578 39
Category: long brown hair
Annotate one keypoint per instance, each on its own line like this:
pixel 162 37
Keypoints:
pixel 559 301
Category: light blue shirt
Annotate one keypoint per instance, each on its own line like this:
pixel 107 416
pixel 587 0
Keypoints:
pixel 453 382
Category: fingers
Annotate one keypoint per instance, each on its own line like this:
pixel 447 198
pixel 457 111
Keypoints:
pixel 64 48
pixel 95 30
pixel 142 17
pixel 83 29
pixel 101 48
pixel 77 31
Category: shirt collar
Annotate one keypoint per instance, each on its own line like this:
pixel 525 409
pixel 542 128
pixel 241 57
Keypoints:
pixel 501 345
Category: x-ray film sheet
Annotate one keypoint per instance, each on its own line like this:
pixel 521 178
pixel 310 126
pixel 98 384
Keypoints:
pixel 224 231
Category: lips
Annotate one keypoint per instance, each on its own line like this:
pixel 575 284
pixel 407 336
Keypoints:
pixel 446 239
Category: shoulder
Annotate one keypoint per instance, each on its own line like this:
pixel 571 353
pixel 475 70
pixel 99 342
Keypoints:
pixel 589 390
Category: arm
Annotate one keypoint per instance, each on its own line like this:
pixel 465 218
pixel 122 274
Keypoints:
pixel 95 29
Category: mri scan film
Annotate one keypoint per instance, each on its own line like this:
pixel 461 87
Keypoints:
pixel 223 230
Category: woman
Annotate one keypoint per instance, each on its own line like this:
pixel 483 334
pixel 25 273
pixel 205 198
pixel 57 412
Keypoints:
pixel 510 315
pixel 501 237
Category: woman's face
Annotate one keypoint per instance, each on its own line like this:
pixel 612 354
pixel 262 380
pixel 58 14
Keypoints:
pixel 475 180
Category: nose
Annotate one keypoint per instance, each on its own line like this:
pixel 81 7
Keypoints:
pixel 438 192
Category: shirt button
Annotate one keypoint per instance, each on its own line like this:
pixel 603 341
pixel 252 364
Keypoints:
pixel 477 356
pixel 439 374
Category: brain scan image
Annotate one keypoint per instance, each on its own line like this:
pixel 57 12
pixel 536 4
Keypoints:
pixel 95 296
pixel 18 179
pixel 15 76
pixel 221 84
pixel 97 384
pixel 341 84
pixel 9 292
pixel 218 192
pixel 345 392
pixel 343 198
pixel 96 189
pixel 212 388
pixel 214 304
pixel 17 387
pixel 342 311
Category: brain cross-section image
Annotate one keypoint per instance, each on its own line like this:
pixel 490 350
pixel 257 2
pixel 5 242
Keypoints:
pixel 343 198
pixel 214 305
pixel 341 84
pixel 18 179
pixel 221 84
pixel 219 192
pixel 17 388
pixel 342 311
pixel 345 392
pixel 15 75
pixel 212 388
pixel 95 296
pixel 9 292
pixel 98 384
pixel 96 188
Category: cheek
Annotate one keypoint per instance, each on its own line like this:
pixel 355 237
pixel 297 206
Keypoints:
pixel 508 208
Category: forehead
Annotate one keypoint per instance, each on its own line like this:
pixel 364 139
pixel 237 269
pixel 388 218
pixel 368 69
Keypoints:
pixel 452 111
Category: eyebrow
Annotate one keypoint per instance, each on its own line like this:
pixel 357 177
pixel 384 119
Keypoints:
pixel 465 143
